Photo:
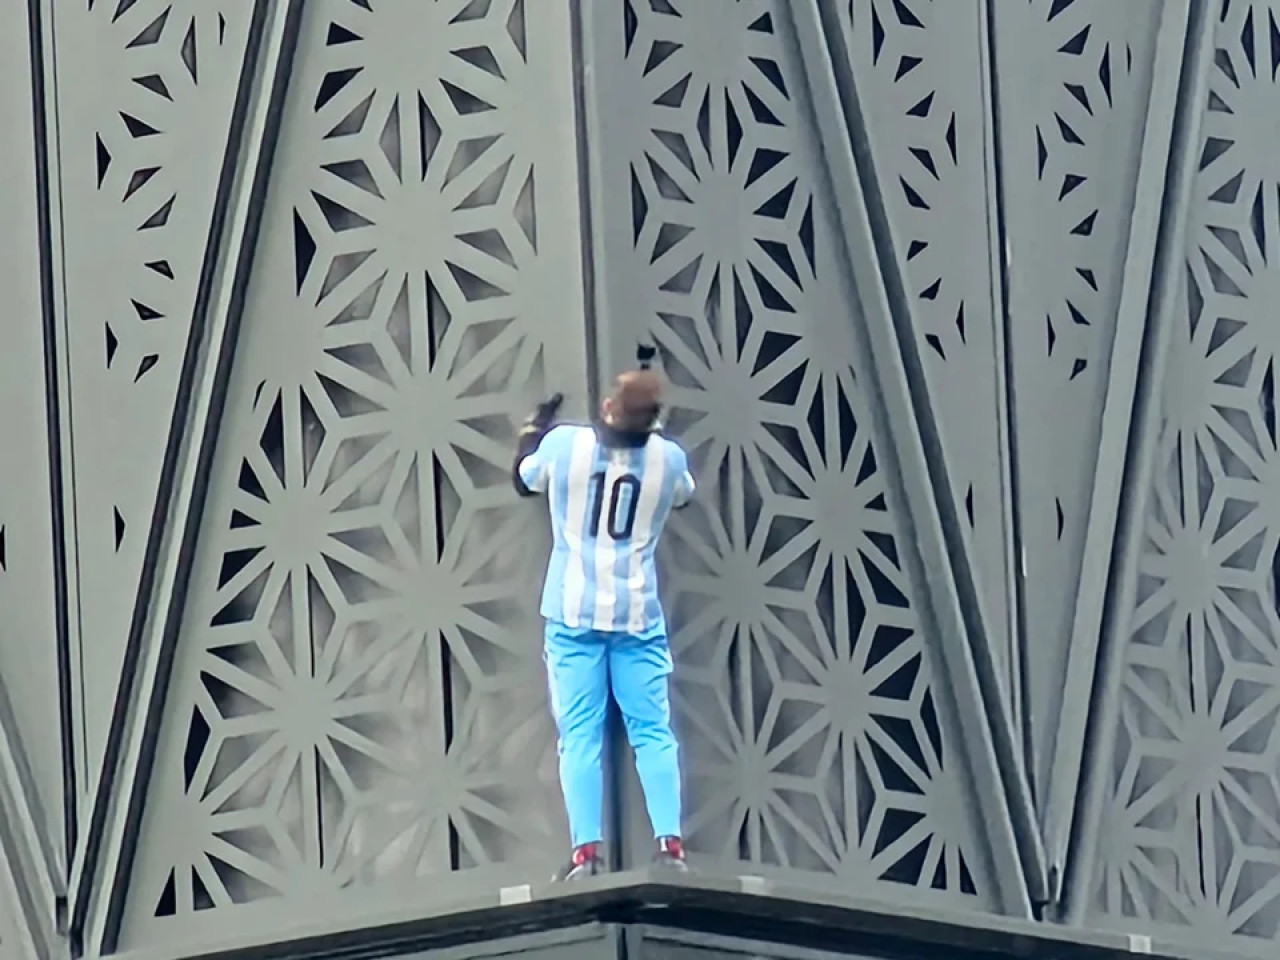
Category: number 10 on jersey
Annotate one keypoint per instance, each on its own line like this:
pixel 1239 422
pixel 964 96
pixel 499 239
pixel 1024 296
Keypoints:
pixel 624 500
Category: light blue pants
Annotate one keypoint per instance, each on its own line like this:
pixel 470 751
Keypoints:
pixel 582 666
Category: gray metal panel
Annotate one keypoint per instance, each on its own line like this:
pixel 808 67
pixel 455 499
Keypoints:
pixel 15 939
pixel 1152 271
pixel 655 943
pixel 29 716
pixel 1191 835
pixel 593 942
pixel 890 360
pixel 816 744
pixel 919 67
pixel 26 903
pixel 104 859
pixel 1071 82
pixel 143 99
pixel 667 950
pixel 357 707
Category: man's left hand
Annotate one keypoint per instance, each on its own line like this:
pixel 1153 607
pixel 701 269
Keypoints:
pixel 544 415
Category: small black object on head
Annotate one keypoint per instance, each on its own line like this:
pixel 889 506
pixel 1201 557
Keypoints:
pixel 644 355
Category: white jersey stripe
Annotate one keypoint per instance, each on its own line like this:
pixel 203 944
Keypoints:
pixel 577 507
pixel 594 581
pixel 651 491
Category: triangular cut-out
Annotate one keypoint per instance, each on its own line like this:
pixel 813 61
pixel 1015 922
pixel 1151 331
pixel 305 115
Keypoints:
pixel 189 52
pixel 145 312
pixel 139 179
pixel 160 217
pixel 155 83
pixel 137 128
pixel 151 33
pixel 516 29
pixel 338 34
pixel 146 365
pixel 104 160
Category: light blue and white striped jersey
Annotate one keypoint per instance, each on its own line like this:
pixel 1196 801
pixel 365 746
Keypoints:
pixel 608 507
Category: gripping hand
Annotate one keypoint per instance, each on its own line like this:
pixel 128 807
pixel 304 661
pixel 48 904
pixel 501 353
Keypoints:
pixel 531 434
pixel 544 415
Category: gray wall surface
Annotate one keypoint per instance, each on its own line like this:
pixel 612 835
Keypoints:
pixel 964 307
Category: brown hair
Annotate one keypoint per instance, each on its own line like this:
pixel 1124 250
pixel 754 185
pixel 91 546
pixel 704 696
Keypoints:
pixel 636 400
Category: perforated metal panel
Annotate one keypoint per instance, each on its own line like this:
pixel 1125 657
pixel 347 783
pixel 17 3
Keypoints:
pixel 475 201
pixel 29 689
pixel 1071 81
pixel 138 149
pixel 1191 835
pixel 920 70
pixel 817 739
pixel 357 707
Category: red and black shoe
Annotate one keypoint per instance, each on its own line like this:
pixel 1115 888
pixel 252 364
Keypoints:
pixel 670 854
pixel 584 862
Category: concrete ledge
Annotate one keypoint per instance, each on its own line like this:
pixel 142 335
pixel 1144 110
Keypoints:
pixel 716 908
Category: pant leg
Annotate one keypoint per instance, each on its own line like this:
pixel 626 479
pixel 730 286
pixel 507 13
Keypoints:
pixel 639 668
pixel 578 684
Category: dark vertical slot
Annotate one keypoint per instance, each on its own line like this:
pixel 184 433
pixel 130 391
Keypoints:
pixel 622 937
pixel 1017 584
pixel 585 124
pixel 446 706
pixel 42 101
pixel 735 677
pixel 438 483
pixel 1190 502
pixel 1268 403
pixel 438 319
pixel 318 786
pixel 317 781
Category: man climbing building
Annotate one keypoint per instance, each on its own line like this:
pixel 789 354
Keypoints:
pixel 610 488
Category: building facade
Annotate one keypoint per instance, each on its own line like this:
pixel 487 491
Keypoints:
pixel 963 307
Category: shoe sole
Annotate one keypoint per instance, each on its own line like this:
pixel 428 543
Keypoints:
pixel 577 873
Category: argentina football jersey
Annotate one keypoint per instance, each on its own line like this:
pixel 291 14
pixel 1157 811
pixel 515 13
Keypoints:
pixel 608 507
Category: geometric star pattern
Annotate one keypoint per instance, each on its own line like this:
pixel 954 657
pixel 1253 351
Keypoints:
pixel 1070 139
pixel 922 94
pixel 356 717
pixel 358 699
pixel 1192 834
pixel 140 146
pixel 815 738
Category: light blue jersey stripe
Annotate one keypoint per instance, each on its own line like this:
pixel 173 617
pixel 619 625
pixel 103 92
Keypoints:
pixel 637 579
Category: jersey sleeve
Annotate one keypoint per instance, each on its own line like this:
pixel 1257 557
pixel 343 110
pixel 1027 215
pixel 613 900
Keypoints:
pixel 534 470
pixel 684 485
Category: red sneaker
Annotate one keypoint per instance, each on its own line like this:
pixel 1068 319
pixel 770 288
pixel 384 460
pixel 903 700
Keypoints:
pixel 671 854
pixel 584 862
